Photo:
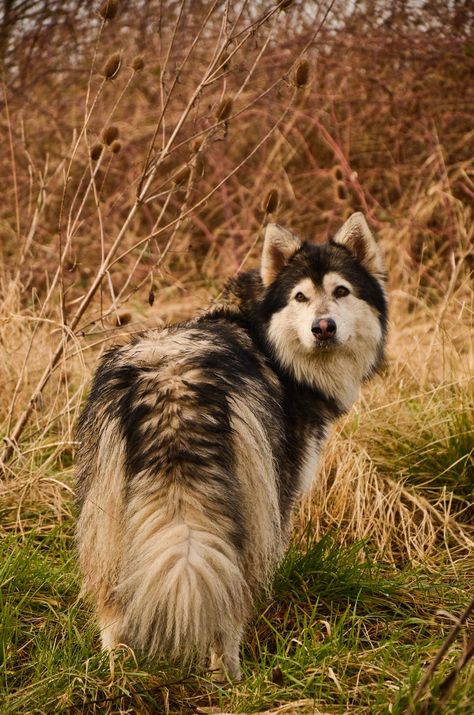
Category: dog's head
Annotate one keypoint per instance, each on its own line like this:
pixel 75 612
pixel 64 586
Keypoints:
pixel 324 304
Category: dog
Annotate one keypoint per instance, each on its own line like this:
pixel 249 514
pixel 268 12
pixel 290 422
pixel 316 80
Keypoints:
pixel 197 440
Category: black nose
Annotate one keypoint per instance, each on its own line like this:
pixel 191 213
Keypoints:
pixel 324 328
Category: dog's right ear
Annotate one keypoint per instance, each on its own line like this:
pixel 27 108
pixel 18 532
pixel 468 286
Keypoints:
pixel 356 236
pixel 279 247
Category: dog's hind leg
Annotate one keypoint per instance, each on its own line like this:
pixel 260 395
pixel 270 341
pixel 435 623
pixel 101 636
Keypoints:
pixel 225 658
pixel 110 620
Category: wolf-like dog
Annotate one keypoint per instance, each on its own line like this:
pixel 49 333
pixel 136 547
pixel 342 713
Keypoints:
pixel 197 440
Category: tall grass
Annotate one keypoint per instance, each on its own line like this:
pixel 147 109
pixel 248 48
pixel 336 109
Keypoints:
pixel 127 201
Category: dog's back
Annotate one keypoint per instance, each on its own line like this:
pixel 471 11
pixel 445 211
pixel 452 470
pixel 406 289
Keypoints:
pixel 180 523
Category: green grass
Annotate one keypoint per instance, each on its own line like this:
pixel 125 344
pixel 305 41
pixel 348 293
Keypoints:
pixel 429 444
pixel 341 631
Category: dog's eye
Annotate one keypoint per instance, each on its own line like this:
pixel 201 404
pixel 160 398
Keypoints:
pixel 300 297
pixel 341 292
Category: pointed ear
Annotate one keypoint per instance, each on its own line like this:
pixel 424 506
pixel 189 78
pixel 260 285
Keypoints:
pixel 279 247
pixel 356 235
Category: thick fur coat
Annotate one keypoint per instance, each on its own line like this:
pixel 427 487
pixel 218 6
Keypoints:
pixel 197 440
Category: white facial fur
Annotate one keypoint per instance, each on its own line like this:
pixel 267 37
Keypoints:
pixel 335 369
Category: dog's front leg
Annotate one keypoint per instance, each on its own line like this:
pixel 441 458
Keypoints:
pixel 225 658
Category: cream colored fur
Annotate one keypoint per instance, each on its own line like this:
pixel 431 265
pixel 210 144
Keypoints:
pixel 256 469
pixel 100 524
pixel 336 371
pixel 279 246
pixel 356 235
pixel 156 563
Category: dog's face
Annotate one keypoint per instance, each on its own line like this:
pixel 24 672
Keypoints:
pixel 324 301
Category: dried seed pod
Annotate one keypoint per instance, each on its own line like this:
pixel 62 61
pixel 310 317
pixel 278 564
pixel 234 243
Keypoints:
pixel 122 317
pixel 109 134
pixel 301 77
pixel 112 66
pixel 338 173
pixel 181 175
pixel 341 191
pixel 270 204
pixel 196 145
pixel 224 60
pixel 138 63
pixel 151 297
pixel 108 9
pixel 200 165
pixel 224 109
pixel 116 147
pixel 96 151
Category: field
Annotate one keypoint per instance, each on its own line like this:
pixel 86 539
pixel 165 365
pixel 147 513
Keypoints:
pixel 142 151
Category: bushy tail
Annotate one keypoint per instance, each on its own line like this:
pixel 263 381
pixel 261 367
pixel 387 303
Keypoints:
pixel 183 588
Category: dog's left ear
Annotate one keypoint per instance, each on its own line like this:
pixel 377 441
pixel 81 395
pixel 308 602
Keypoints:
pixel 279 247
pixel 356 235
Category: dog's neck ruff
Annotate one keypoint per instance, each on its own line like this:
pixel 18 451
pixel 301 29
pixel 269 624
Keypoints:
pixel 336 375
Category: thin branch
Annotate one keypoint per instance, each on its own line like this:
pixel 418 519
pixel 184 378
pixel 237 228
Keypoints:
pixel 439 656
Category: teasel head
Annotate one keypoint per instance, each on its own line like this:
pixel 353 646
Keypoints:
pixel 138 63
pixel 196 145
pixel 224 109
pixel 200 164
pixel 108 9
pixel 301 76
pixel 181 175
pixel 121 317
pixel 341 193
pixel 270 203
pixel 116 147
pixel 338 173
pixel 224 60
pixel 112 66
pixel 110 134
pixel 96 151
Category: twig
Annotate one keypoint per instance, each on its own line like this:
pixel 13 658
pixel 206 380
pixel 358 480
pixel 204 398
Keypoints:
pixel 12 155
pixel 439 656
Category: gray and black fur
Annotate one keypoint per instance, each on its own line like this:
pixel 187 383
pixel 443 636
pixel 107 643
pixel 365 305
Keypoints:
pixel 197 440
